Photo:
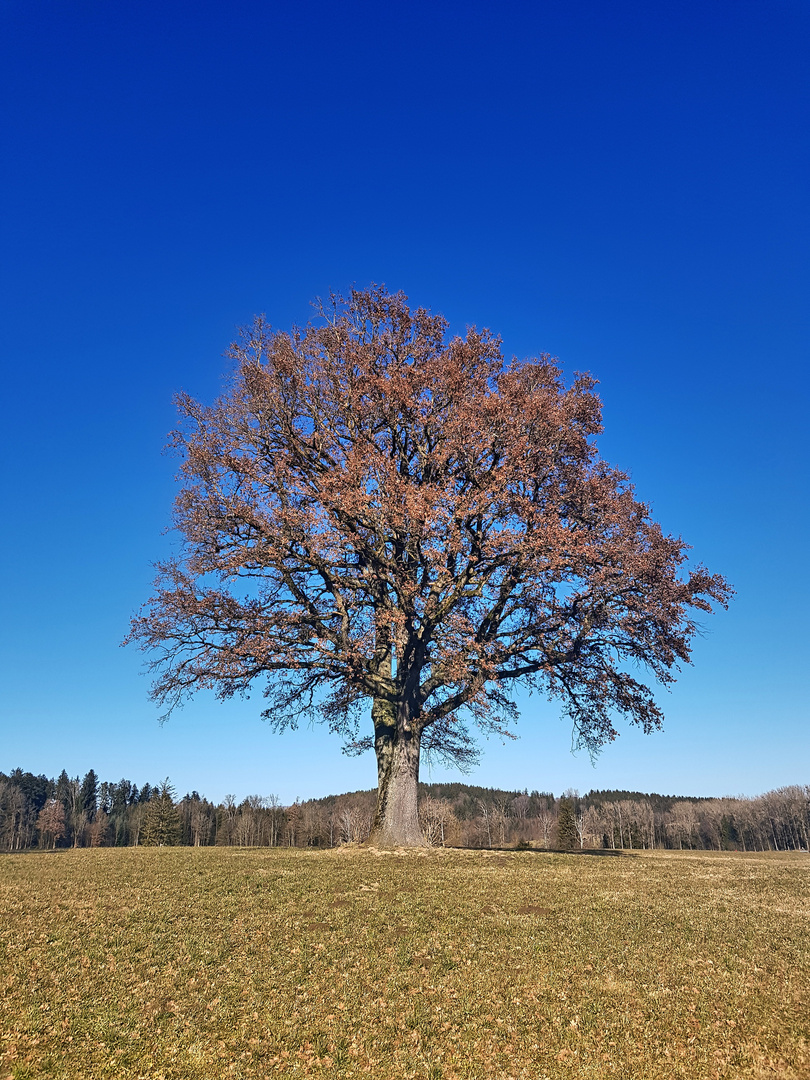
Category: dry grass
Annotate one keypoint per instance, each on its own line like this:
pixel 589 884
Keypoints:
pixel 207 963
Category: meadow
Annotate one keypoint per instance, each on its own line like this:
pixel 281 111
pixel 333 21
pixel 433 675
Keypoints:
pixel 182 963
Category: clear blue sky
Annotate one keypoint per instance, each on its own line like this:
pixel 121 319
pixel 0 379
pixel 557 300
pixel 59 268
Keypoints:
pixel 624 185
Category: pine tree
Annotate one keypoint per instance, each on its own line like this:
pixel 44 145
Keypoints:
pixel 120 811
pixel 567 838
pixel 88 795
pixel 161 823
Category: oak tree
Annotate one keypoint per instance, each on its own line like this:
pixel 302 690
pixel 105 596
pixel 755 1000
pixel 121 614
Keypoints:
pixel 378 513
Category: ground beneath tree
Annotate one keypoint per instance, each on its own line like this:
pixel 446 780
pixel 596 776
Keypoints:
pixel 188 963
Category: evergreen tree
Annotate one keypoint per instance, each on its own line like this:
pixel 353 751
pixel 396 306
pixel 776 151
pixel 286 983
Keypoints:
pixel 37 789
pixel 121 802
pixel 105 797
pixel 161 823
pixel 567 838
pixel 62 791
pixel 88 795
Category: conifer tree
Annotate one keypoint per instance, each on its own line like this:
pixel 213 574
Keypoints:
pixel 88 795
pixel 161 823
pixel 566 825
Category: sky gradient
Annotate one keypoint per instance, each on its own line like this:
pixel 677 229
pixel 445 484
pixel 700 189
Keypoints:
pixel 624 186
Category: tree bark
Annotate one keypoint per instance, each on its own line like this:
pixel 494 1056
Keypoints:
pixel 397 745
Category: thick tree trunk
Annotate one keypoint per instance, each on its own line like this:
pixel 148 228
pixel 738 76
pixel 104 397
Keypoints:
pixel 396 820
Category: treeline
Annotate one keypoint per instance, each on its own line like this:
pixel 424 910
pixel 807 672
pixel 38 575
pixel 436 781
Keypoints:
pixel 38 812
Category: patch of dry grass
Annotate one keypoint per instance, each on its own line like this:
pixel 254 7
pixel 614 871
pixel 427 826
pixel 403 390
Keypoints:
pixel 178 964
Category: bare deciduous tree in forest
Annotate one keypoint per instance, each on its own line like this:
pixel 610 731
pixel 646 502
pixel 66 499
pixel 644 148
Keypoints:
pixel 436 819
pixel 376 514
pixel 546 819
pixel 51 821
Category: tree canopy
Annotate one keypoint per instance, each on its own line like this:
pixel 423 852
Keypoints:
pixel 377 513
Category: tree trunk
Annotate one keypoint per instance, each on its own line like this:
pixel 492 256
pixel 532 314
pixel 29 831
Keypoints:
pixel 397 744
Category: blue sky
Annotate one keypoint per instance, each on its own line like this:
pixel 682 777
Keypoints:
pixel 623 185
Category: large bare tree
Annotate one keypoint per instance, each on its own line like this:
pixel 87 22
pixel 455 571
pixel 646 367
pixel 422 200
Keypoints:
pixel 375 513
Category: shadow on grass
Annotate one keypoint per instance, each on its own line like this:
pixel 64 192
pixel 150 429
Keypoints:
pixel 610 853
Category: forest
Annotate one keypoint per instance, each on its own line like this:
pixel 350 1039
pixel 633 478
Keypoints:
pixel 47 814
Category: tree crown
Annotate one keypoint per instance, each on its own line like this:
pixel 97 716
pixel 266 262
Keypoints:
pixel 374 510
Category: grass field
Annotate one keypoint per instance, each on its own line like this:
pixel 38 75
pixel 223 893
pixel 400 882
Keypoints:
pixel 207 963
